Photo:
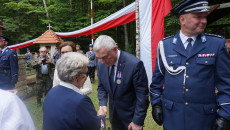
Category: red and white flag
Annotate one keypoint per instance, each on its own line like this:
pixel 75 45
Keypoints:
pixel 152 13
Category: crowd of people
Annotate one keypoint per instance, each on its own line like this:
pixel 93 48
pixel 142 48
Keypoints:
pixel 190 88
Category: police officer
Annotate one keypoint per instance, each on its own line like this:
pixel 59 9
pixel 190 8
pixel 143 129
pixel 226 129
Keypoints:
pixel 29 56
pixel 56 55
pixel 8 65
pixel 191 65
pixel 92 63
pixel 43 66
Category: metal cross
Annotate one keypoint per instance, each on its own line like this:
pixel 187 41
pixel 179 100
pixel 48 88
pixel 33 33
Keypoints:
pixel 49 26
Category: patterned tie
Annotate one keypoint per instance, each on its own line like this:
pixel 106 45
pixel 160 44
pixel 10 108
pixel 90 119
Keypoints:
pixel 111 77
pixel 189 47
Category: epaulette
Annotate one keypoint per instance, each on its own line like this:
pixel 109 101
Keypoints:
pixel 208 34
pixel 168 37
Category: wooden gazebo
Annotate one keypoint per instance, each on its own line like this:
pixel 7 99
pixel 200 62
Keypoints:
pixel 49 40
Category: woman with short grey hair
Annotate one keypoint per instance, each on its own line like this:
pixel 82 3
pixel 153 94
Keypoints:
pixel 70 67
pixel 65 47
pixel 65 107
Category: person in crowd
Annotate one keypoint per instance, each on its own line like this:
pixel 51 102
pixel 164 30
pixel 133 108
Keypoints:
pixel 13 113
pixel 43 66
pixel 1 27
pixel 56 55
pixel 78 48
pixel 29 57
pixel 65 47
pixel 74 110
pixel 36 55
pixel 92 63
pixel 8 65
pixel 123 77
pixel 189 66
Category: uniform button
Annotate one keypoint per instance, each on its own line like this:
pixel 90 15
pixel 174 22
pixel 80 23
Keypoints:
pixel 187 63
pixel 186 90
pixel 187 76
pixel 171 62
pixel 212 110
pixel 186 103
pixel 206 61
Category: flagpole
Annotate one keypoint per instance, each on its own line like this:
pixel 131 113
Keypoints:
pixel 92 20
pixel 137 30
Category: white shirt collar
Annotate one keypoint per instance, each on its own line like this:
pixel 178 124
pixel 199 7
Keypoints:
pixel 3 50
pixel 184 39
pixel 71 86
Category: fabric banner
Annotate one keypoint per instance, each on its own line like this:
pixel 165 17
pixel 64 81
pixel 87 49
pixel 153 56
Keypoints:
pixel 123 16
pixel 151 30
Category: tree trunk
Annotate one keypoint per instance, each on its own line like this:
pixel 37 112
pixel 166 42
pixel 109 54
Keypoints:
pixel 126 32
pixel 47 15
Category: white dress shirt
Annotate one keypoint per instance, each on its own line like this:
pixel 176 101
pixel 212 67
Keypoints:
pixel 13 113
pixel 115 64
pixel 185 38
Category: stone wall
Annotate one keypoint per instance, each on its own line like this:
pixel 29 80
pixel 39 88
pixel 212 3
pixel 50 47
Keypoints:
pixel 26 83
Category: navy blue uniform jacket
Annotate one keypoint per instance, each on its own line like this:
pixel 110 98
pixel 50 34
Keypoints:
pixel 65 109
pixel 8 69
pixel 130 98
pixel 194 105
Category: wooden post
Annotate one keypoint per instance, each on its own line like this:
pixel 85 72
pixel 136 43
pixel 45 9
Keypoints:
pixel 137 30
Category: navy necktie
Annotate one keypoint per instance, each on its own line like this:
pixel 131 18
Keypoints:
pixel 111 77
pixel 0 52
pixel 189 47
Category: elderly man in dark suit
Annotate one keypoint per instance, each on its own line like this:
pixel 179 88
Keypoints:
pixel 121 76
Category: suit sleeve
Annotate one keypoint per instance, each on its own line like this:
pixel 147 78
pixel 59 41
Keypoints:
pixel 14 67
pixel 88 115
pixel 156 87
pixel 222 74
pixel 140 82
pixel 101 92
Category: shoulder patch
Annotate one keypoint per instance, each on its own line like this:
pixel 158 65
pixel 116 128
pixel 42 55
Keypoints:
pixel 168 37
pixel 214 35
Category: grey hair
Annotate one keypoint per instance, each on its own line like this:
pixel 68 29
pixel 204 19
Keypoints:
pixel 71 64
pixel 42 48
pixel 104 40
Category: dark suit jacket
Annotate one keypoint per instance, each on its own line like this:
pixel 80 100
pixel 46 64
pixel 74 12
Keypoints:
pixel 129 99
pixel 65 109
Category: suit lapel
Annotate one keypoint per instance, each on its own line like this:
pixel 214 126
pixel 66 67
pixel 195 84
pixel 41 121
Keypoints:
pixel 179 47
pixel 120 68
pixel 198 46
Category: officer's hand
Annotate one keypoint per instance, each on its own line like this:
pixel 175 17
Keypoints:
pixel 221 124
pixel 157 114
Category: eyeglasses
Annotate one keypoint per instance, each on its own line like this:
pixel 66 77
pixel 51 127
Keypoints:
pixel 63 52
pixel 42 51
